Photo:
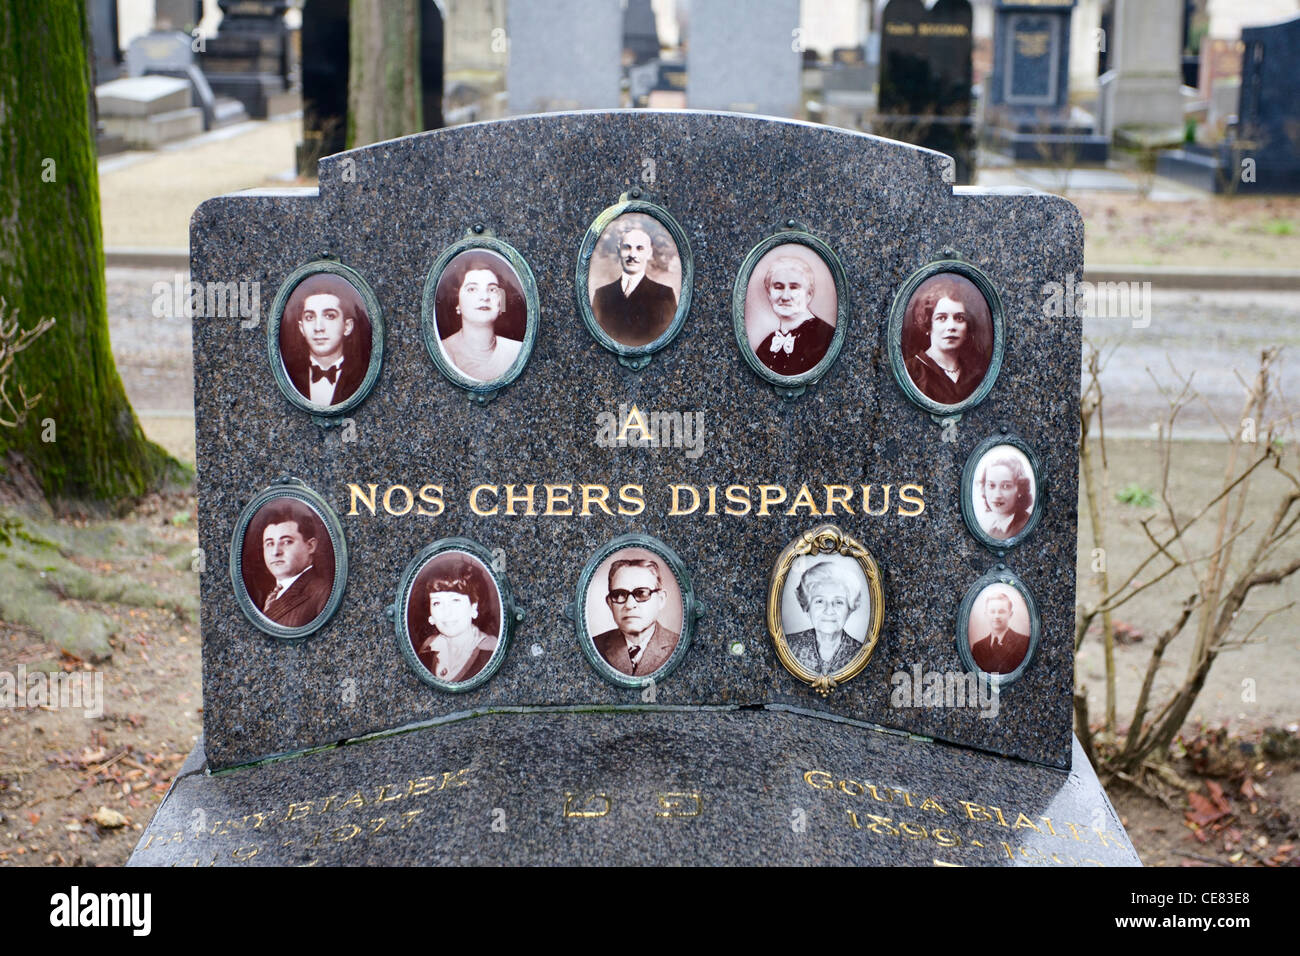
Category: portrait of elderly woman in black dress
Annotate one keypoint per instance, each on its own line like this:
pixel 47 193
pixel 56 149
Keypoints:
pixel 828 594
pixel 1005 486
pixel 947 338
pixel 455 606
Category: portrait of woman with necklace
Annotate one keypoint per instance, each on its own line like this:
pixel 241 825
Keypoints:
pixel 947 338
pixel 475 290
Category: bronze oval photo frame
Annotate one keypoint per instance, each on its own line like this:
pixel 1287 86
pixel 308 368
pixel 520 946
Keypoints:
pixel 633 356
pixel 791 386
pixel 828 540
pixel 325 414
pixel 509 613
pixel 951 264
pixel 479 239
pixel 294 490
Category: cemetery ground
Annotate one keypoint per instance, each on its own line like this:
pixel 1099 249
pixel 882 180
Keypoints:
pixel 118 595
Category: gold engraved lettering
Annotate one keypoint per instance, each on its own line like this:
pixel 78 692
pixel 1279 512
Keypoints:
pixel 803 499
pixel 421 786
pixel 293 811
pixel 355 800
pixel 895 29
pixel 1074 830
pixel 557 497
pixel 381 821
pixel 245 853
pixel 588 802
pixel 932 804
pixel 634 497
pixel 328 800
pixel 713 500
pixel 866 500
pixel 769 495
pixel 1032 45
pixel 473 500
pixel 820 775
pixel 974 808
pixel 334 834
pixel 676 508
pixel 595 495
pixel 916 831
pixel 385 799
pixel 1026 825
pixel 260 817
pixel 889 794
pixel 435 499
pixel 679 804
pixel 388 499
pixel 838 495
pixel 878 822
pixel 1104 835
pixel 739 495
pixel 635 420
pixel 526 498
pixel 410 816
pixel 911 500
pixel 1001 819
pixel 907 797
pixel 945 837
pixel 844 786
pixel 356 494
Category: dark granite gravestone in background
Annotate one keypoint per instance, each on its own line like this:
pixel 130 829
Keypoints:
pixel 1027 111
pixel 248 59
pixel 1262 153
pixel 729 758
pixel 925 79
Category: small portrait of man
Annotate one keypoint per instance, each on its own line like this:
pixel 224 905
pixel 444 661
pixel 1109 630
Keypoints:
pixel 453 616
pixel 481 314
pixel 999 629
pixel 288 562
pixel 791 308
pixel 634 612
pixel 1003 494
pixel 947 339
pixel 325 339
pixel 825 611
pixel 635 279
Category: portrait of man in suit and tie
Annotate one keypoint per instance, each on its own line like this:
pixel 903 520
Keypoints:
pixel 645 604
pixel 996 643
pixel 635 280
pixel 291 583
pixel 325 339
pixel 790 309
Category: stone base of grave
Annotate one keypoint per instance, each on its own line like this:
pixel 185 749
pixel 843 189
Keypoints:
pixel 1030 143
pixel 693 786
pixel 1220 170
pixel 150 132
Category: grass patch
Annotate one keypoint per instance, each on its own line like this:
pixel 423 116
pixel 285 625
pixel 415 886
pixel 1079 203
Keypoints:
pixel 1135 495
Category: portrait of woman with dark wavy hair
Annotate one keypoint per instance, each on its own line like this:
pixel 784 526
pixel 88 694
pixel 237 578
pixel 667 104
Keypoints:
pixel 947 338
pixel 454 604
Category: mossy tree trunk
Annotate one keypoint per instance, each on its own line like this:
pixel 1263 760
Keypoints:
pixel 82 440
pixel 383 70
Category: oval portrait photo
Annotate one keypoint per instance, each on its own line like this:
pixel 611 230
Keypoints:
pixel 326 339
pixel 999 629
pixel 1003 492
pixel 453 617
pixel 635 279
pixel 634 611
pixel 947 338
pixel 480 315
pixel 791 308
pixel 287 564
pixel 825 612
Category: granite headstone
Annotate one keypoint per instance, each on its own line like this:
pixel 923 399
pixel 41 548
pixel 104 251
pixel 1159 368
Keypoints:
pixel 565 54
pixel 732 756
pixel 744 56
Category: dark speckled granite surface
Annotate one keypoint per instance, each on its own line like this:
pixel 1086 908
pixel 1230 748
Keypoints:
pixel 730 180
pixel 721 788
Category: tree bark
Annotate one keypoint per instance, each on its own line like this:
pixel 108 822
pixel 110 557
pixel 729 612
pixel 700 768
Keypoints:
pixel 383 71
pixel 82 441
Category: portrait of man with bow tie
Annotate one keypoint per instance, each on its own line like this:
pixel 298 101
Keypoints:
pixel 634 309
pixel 800 338
pixel 325 339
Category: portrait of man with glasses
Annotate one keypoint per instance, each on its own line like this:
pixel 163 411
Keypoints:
pixel 640 643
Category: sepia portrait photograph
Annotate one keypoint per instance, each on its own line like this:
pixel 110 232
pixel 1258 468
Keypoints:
pixel 453 616
pixel 947 338
pixel 287 563
pixel 1003 492
pixel 326 339
pixel 634 611
pixel 480 315
pixel 825 611
pixel 999 629
pixel 635 279
pixel 791 308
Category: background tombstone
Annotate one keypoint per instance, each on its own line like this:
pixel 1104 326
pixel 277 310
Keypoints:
pixel 640 33
pixel 249 59
pixel 742 741
pixel 564 55
pixel 171 53
pixel 925 79
pixel 1261 154
pixel 1027 111
pixel 1141 99
pixel 106 56
pixel 743 56
pixel 148 111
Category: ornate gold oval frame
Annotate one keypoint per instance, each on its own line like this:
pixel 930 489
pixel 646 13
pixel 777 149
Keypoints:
pixel 825 539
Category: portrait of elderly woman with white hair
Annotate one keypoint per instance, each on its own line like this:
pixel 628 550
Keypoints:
pixel 790 281
pixel 829 592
